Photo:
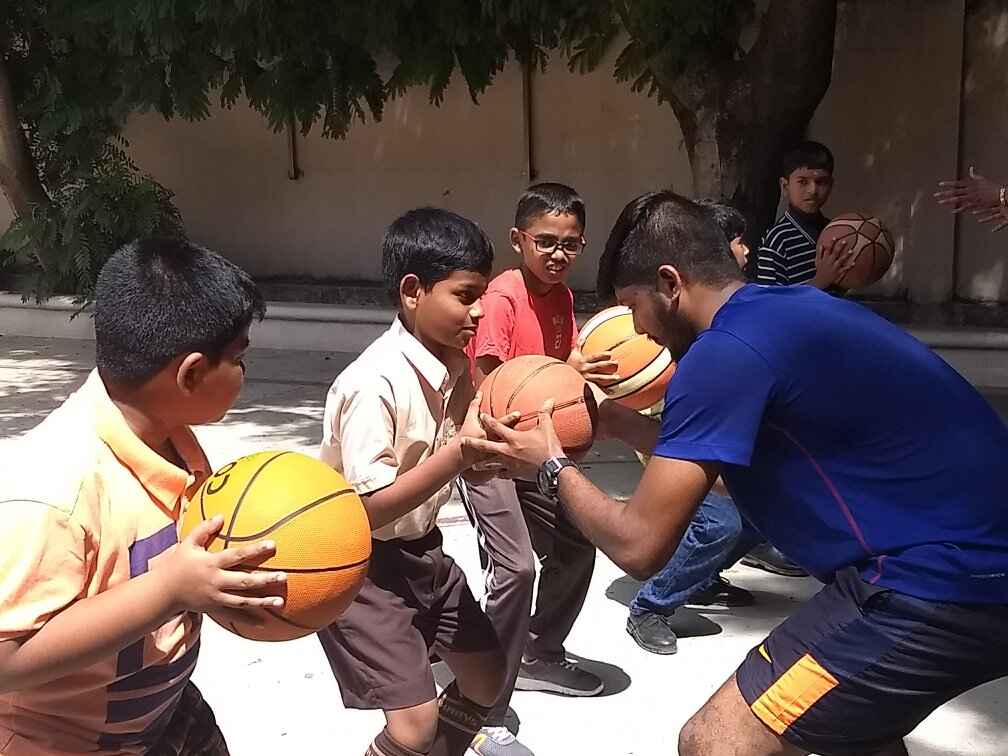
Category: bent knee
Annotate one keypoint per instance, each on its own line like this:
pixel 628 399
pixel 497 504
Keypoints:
pixel 516 572
pixel 694 737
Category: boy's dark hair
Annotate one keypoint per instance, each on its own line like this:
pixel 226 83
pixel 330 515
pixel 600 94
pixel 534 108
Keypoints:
pixel 158 298
pixel 664 228
pixel 731 222
pixel 541 199
pixel 806 155
pixel 432 244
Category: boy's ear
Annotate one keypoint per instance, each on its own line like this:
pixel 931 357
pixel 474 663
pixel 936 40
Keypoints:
pixel 409 291
pixel 515 237
pixel 191 371
pixel 783 183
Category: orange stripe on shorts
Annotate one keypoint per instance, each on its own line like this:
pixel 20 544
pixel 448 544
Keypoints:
pixel 794 693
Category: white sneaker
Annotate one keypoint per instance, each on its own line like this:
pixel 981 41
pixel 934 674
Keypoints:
pixel 497 741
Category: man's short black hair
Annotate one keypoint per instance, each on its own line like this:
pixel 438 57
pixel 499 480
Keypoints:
pixel 731 222
pixel 432 244
pixel 806 155
pixel 158 298
pixel 548 198
pixel 664 228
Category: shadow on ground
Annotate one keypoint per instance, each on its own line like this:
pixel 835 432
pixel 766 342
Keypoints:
pixel 685 622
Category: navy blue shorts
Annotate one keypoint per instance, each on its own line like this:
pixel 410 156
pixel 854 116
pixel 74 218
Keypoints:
pixel 858 667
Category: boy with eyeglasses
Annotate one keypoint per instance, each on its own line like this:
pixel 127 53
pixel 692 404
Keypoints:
pixel 530 310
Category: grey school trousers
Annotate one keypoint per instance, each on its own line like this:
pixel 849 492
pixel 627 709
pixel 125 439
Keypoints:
pixel 514 524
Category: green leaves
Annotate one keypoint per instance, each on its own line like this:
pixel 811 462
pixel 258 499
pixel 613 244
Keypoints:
pixel 80 68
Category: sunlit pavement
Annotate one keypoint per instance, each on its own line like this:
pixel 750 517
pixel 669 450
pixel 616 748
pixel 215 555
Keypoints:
pixel 282 699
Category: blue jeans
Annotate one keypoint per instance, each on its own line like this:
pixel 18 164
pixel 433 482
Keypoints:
pixel 705 549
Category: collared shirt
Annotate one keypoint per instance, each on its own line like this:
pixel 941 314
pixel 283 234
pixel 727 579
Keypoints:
pixel 787 255
pixel 386 413
pixel 86 506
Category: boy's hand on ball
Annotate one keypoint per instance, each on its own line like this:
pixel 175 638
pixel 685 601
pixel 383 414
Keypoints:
pixel 833 260
pixel 221 582
pixel 473 429
pixel 595 368
pixel 522 452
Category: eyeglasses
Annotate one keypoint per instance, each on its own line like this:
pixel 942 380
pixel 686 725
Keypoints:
pixel 547 245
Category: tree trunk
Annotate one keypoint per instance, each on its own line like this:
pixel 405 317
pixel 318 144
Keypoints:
pixel 18 177
pixel 738 115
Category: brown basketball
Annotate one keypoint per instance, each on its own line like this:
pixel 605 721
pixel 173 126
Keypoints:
pixel 644 366
pixel 321 531
pixel 872 246
pixel 525 383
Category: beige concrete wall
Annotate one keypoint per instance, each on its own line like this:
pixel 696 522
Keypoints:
pixel 230 173
pixel 891 119
pixel 612 144
pixel 230 178
pixel 982 257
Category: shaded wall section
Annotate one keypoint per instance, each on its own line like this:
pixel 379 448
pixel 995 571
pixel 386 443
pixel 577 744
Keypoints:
pixel 891 118
pixel 982 256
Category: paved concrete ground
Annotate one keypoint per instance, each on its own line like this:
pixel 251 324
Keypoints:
pixel 282 699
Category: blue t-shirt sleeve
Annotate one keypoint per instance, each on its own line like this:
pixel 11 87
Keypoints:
pixel 715 402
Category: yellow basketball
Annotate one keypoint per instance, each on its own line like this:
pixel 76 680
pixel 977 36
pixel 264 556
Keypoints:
pixel 644 366
pixel 319 525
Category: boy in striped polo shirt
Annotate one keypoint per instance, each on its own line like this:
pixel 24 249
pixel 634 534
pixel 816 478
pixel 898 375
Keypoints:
pixel 100 605
pixel 788 253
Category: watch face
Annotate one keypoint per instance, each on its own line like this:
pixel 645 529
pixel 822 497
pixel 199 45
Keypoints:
pixel 547 479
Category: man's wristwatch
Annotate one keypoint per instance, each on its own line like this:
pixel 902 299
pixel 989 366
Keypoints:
pixel 548 478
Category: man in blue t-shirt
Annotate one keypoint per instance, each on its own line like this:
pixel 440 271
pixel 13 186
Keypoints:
pixel 853 448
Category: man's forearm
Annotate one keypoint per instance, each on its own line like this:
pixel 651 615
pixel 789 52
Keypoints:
pixel 612 526
pixel 629 426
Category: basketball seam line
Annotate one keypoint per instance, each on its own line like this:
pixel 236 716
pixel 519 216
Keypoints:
pixel 493 380
pixel 525 382
pixel 276 615
pixel 615 386
pixel 556 407
pixel 241 498
pixel 288 517
pixel 310 570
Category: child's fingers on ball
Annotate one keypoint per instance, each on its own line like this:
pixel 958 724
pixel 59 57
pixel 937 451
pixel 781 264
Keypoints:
pixel 249 556
pixel 229 600
pixel 244 580
pixel 603 379
pixel 205 531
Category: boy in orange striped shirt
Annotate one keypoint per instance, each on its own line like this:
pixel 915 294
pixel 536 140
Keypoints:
pixel 100 605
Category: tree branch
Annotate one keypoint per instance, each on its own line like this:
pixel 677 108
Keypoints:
pixel 18 178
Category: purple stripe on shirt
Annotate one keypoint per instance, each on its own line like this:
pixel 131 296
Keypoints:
pixel 134 708
pixel 158 674
pixel 143 551
pixel 147 736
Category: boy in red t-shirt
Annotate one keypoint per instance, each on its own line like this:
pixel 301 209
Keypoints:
pixel 530 310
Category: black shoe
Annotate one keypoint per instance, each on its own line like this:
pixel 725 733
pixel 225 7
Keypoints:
pixel 769 558
pixel 722 593
pixel 563 677
pixel 653 632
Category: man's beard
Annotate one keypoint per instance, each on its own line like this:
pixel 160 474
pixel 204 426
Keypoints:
pixel 677 335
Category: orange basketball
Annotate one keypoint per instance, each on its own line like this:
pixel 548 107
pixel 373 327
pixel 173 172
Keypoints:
pixel 321 531
pixel 644 366
pixel 872 246
pixel 525 383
